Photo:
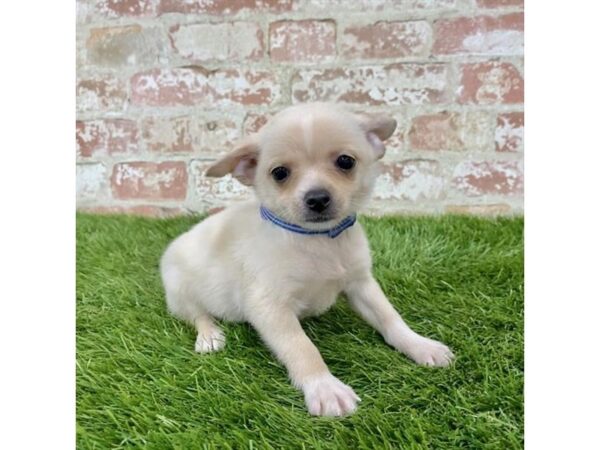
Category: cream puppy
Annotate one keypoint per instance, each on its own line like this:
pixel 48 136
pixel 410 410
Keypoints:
pixel 289 254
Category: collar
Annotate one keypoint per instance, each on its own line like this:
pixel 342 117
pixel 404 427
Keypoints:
pixel 331 232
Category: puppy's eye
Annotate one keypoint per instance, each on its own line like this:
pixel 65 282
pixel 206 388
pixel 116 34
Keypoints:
pixel 280 173
pixel 345 162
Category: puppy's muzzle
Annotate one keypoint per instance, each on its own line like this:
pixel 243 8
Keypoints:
pixel 317 200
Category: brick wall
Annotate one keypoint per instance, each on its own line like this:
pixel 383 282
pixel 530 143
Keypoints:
pixel 165 86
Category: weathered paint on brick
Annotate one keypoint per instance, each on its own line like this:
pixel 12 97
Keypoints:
pixel 253 122
pixel 304 40
pixel 129 45
pixel 451 131
pixel 491 83
pixel 224 7
pixel 414 180
pixel 91 182
pixel 500 3
pixel 474 178
pixel 394 84
pixel 381 6
pixel 107 136
pixel 218 41
pixel 386 40
pixel 509 132
pixel 196 85
pixel 125 8
pixel 150 181
pixel 80 49
pixel 189 134
pixel 101 93
pixel 483 35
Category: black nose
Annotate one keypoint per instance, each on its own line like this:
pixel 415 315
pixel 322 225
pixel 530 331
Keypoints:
pixel 317 200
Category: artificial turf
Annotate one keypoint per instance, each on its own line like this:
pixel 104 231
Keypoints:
pixel 455 279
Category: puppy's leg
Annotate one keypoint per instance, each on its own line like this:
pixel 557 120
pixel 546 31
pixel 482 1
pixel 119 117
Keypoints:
pixel 210 336
pixel 183 302
pixel 369 301
pixel 324 394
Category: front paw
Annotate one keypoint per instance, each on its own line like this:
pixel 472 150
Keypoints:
pixel 328 396
pixel 427 352
pixel 210 340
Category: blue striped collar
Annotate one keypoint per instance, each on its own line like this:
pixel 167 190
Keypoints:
pixel 331 232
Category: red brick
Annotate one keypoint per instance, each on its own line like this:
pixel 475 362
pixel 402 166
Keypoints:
pixel 475 178
pixel 499 3
pixel 101 93
pixel 216 191
pixel 224 7
pixel 187 134
pixel 414 180
pixel 395 84
pixel 491 83
pixel 254 122
pixel 136 210
pixel 125 8
pixel 125 45
pixel 107 136
pixel 386 40
pixel 196 85
pixel 450 131
pixel 218 41
pixel 509 132
pixel 149 180
pixel 303 40
pixel 482 35
pixel 332 6
pixel 494 209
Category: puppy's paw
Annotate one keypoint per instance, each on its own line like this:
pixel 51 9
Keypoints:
pixel 428 352
pixel 210 340
pixel 328 396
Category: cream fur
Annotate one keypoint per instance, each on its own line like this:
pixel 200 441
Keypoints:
pixel 236 266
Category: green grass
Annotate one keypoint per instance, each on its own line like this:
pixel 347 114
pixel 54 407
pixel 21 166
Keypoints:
pixel 456 279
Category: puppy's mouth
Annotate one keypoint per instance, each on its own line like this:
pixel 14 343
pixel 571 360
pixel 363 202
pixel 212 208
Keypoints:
pixel 319 219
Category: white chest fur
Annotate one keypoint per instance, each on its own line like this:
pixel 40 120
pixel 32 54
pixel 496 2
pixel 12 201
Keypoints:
pixel 315 269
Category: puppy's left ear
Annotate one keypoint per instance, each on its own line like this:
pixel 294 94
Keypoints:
pixel 377 128
pixel 240 163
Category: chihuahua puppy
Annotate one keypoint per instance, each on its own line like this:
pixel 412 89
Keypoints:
pixel 288 255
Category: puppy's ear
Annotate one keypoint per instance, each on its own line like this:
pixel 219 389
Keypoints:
pixel 377 128
pixel 240 163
